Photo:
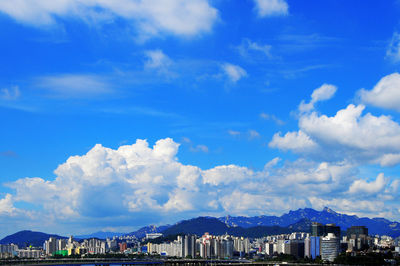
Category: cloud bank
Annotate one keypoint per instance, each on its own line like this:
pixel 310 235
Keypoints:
pixel 121 185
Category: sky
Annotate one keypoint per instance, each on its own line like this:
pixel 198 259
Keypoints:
pixel 119 114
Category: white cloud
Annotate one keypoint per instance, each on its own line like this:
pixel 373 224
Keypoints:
pixel 296 141
pixel 234 72
pixel 393 50
pixel 272 163
pixel 347 135
pixel 74 85
pixel 361 186
pixel 385 94
pixel 6 205
pixel 157 59
pixel 151 17
pixel 152 185
pixel 160 62
pixel 9 94
pixel 225 174
pixel 390 159
pixel 266 8
pixel 179 200
pixel 362 208
pixel 323 93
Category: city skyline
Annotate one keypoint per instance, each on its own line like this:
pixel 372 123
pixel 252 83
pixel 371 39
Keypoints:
pixel 121 114
pixel 321 242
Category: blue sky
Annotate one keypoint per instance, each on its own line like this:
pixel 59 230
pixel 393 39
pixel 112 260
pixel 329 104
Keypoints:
pixel 236 107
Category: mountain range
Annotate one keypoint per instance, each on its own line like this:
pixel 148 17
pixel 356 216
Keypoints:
pixel 257 226
pixel 380 226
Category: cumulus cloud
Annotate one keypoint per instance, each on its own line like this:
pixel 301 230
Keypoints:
pixel 345 205
pixel 234 72
pixel 361 186
pixel 346 135
pixel 385 94
pixel 153 17
pixel 10 94
pixel 226 174
pixel 266 8
pixel 6 205
pixel 296 141
pixel 107 187
pixel 323 93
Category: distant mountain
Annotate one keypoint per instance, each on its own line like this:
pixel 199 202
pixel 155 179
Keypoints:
pixel 214 226
pixel 379 226
pixel 303 225
pixel 147 230
pixel 100 235
pixel 258 226
pixel 28 238
pixel 198 226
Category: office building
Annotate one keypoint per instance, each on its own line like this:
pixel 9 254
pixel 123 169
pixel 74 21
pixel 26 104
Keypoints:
pixel 51 246
pixel 318 229
pixel 357 231
pixel 330 247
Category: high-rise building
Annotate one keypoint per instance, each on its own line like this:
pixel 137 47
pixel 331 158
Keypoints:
pixel 269 248
pixel 307 247
pixel 330 247
pixel 315 246
pixel 51 245
pixel 61 244
pixel 332 228
pixel 357 231
pixel 318 229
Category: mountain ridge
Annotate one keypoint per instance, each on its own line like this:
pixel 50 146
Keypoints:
pixel 377 225
pixel 299 220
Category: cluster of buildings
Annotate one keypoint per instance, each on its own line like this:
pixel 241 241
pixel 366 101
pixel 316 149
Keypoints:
pixel 207 246
pixel 324 242
pixel 68 247
pixel 90 246
pixel 55 246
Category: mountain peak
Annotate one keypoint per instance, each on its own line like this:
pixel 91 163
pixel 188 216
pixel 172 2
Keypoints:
pixel 327 209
